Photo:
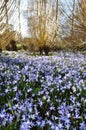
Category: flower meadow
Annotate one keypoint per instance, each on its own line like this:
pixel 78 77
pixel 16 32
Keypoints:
pixel 42 92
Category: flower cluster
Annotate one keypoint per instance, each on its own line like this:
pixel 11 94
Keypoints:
pixel 43 92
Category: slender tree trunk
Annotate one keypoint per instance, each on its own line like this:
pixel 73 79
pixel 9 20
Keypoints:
pixel 6 13
pixel 56 9
pixel 19 16
pixel 37 7
pixel 72 31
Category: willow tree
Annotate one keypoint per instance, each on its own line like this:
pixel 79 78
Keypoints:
pixel 80 24
pixel 8 15
pixel 43 24
pixel 80 17
pixel 3 20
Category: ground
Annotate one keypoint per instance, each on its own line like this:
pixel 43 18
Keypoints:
pixel 42 92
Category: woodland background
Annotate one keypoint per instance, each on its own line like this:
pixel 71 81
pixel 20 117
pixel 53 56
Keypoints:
pixel 31 24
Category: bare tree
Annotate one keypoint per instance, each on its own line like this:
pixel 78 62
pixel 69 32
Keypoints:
pixel 44 26
pixel 80 24
pixel 7 13
pixel 80 17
